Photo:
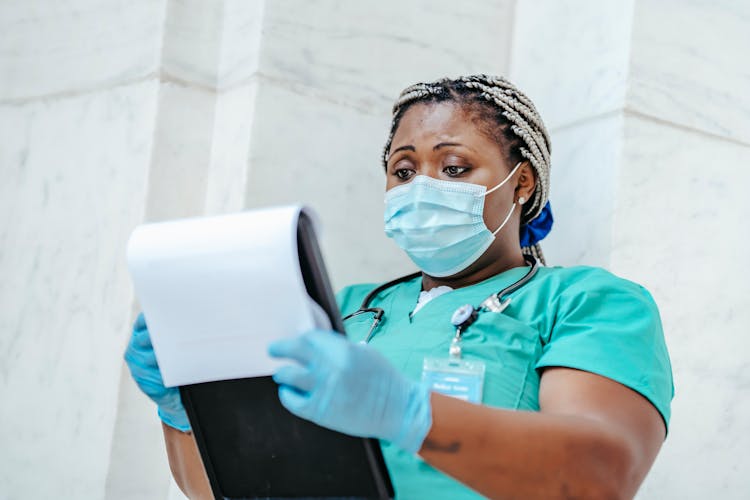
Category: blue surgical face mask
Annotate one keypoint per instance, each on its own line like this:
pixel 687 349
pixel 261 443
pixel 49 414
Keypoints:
pixel 439 224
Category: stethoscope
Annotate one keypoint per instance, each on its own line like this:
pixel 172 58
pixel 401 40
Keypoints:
pixel 462 317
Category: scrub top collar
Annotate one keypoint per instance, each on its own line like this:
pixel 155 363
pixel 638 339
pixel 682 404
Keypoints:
pixel 407 293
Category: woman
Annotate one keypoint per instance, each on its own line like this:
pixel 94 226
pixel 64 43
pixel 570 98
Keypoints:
pixel 563 380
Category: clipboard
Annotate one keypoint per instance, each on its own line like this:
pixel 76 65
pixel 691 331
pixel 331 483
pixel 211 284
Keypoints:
pixel 253 448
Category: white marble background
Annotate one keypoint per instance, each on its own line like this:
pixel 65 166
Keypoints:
pixel 78 97
pixel 114 112
pixel 649 110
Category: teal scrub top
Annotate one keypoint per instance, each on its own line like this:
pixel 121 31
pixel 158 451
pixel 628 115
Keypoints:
pixel 578 317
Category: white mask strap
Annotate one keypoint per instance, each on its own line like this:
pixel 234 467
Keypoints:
pixel 507 217
pixel 504 180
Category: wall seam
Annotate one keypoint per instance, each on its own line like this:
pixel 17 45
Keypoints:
pixel 142 216
pixel 620 145
pixel 586 120
pixel 220 37
pixel 69 94
pixel 256 92
pixel 685 128
pixel 511 36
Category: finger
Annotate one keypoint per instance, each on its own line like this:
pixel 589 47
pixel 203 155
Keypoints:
pixel 295 376
pixel 140 323
pixel 150 382
pixel 294 401
pixel 298 348
pixel 142 364
pixel 326 340
pixel 142 340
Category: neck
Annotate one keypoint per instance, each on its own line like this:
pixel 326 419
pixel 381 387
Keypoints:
pixel 477 272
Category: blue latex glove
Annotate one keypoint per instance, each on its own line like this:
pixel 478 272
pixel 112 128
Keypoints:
pixel 351 388
pixel 141 360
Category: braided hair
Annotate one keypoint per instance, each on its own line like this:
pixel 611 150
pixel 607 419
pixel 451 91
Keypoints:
pixel 502 112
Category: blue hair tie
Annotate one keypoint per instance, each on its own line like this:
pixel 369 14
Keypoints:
pixel 535 230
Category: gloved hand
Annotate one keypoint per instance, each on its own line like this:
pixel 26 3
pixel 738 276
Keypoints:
pixel 351 388
pixel 141 360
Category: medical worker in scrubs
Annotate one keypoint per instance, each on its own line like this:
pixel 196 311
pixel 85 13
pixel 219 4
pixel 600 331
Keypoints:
pixel 486 373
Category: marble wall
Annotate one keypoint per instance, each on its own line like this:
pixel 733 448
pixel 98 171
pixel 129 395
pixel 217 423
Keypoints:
pixel 198 164
pixel 649 113
pixel 571 58
pixel 78 97
pixel 124 112
pixel 329 72
pixel 678 228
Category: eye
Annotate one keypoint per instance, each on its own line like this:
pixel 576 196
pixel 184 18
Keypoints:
pixel 404 173
pixel 455 171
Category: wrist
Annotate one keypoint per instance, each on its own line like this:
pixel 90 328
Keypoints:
pixel 174 415
pixel 417 419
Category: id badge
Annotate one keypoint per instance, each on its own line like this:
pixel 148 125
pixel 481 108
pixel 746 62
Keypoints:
pixel 455 377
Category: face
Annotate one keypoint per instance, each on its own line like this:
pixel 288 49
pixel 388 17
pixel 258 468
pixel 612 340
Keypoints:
pixel 439 140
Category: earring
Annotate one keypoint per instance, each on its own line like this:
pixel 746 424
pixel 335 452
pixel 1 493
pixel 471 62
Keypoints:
pixel 521 200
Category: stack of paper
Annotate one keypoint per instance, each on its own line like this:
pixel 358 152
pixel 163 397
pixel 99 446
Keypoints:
pixel 216 290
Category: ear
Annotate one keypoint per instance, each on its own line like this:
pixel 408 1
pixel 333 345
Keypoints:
pixel 526 182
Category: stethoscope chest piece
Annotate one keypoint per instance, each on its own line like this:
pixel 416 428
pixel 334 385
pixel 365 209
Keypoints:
pixel 494 304
pixel 464 316
pixel 461 319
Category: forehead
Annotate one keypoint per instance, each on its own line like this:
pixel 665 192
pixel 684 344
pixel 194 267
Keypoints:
pixel 439 122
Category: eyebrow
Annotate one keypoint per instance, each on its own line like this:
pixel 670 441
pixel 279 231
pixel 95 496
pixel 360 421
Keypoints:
pixel 408 147
pixel 445 145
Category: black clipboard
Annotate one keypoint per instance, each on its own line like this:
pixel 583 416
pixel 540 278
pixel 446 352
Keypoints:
pixel 253 448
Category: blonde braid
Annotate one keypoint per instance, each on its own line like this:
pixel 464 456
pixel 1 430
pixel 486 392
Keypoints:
pixel 520 117
pixel 535 251
pixel 410 95
pixel 535 140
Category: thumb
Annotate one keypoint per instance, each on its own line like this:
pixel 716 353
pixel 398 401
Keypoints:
pixel 294 401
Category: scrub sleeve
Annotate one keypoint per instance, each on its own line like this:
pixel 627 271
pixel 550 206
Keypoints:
pixel 611 327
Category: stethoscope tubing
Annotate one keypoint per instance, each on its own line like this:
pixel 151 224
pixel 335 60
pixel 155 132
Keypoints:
pixel 379 312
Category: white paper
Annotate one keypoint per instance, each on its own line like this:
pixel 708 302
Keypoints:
pixel 216 291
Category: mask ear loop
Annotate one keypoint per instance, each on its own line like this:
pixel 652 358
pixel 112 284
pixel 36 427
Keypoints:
pixel 504 180
pixel 507 217
pixel 513 207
